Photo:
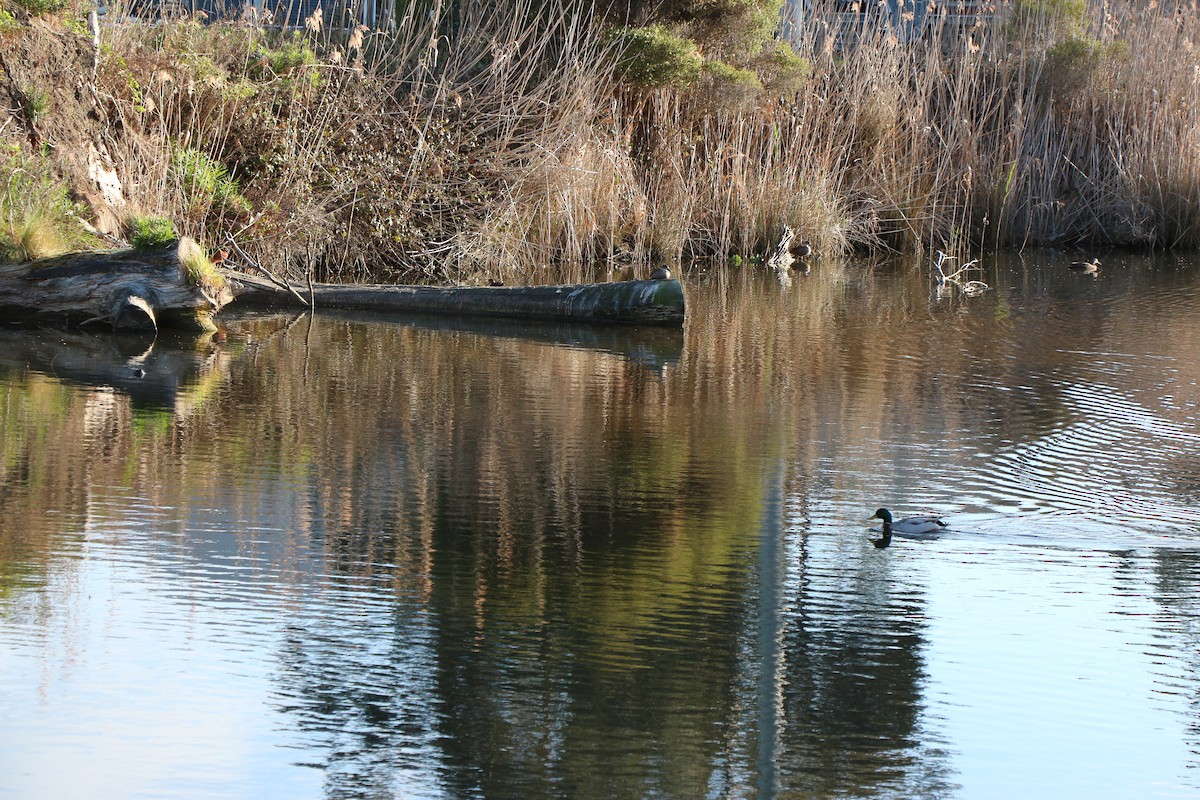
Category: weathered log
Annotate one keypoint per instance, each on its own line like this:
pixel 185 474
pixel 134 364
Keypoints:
pixel 651 302
pixel 175 286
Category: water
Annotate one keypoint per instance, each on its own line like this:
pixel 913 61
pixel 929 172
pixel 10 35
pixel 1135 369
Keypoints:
pixel 359 558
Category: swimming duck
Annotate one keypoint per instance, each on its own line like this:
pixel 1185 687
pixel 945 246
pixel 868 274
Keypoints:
pixel 1086 266
pixel 906 525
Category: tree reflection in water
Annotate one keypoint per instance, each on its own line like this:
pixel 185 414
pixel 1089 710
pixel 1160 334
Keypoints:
pixel 501 562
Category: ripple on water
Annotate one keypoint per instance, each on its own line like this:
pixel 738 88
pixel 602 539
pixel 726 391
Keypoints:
pixel 1112 464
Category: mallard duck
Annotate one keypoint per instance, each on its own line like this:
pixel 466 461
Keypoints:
pixel 906 525
pixel 1086 266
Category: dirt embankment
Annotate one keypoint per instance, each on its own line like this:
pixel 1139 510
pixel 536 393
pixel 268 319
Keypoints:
pixel 49 106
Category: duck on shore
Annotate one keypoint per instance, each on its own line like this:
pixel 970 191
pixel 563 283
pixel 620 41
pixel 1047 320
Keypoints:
pixel 661 274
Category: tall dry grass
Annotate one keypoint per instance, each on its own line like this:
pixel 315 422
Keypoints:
pixel 470 142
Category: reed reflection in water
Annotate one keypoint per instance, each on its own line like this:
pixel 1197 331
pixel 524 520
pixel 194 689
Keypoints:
pixel 428 558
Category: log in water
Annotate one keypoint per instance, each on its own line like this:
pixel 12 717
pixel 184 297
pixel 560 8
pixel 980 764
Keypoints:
pixel 173 286
pixel 649 302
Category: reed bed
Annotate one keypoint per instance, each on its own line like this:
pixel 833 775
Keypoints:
pixel 470 142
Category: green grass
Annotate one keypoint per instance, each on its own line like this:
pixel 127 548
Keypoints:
pixel 37 103
pixel 198 266
pixel 206 182
pixel 149 233
pixel 37 217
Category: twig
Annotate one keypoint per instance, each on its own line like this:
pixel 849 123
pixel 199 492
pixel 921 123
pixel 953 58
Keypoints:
pixel 970 288
pixel 270 276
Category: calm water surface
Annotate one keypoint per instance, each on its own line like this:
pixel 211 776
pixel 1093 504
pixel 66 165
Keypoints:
pixel 365 558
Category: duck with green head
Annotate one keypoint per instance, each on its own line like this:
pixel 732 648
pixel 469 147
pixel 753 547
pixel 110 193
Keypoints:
pixel 913 525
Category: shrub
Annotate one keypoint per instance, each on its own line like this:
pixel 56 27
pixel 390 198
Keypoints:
pixel 287 59
pixel 1047 20
pixel 1075 62
pixel 8 23
pixel 781 69
pixel 148 233
pixel 206 182
pixel 726 87
pixel 737 30
pixel 654 58
pixel 77 23
pixel 729 29
pixel 43 6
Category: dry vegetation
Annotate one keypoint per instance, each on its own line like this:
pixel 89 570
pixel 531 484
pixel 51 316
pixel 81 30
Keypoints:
pixel 474 143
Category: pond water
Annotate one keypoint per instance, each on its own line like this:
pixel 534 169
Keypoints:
pixel 428 558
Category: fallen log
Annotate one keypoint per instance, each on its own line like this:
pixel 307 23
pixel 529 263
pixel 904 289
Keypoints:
pixel 649 302
pixel 174 286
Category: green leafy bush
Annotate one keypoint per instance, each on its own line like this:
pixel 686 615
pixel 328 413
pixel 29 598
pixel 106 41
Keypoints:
pixel 781 69
pixel 206 182
pixel 8 23
pixel 148 233
pixel 43 6
pixel 1077 62
pixel 1047 20
pixel 653 57
pixel 726 87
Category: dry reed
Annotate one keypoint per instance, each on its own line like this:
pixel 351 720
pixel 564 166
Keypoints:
pixel 472 143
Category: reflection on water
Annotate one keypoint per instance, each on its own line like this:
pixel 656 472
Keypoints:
pixel 351 557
